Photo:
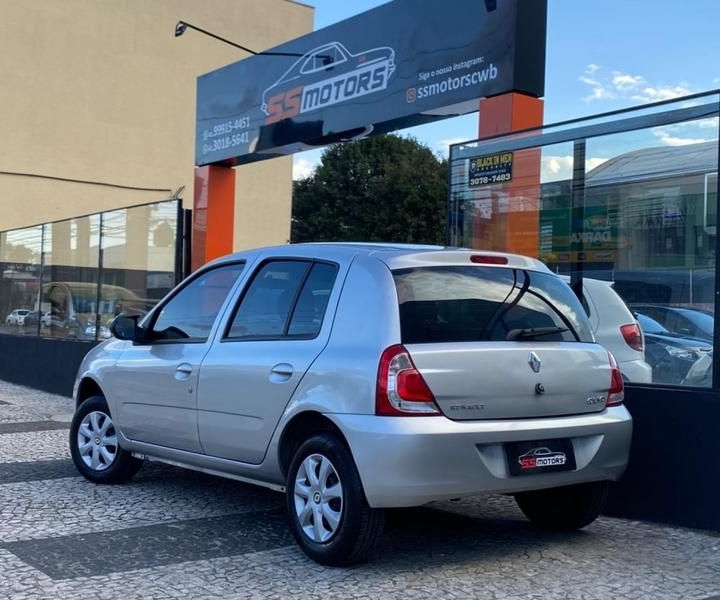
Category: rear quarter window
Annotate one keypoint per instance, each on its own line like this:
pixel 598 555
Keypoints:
pixel 477 303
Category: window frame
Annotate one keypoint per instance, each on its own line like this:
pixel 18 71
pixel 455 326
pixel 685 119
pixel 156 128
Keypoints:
pixel 311 262
pixel 148 322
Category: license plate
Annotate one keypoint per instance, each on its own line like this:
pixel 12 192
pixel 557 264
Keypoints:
pixel 543 456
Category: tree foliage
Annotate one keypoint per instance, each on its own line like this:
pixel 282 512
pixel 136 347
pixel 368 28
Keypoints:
pixel 380 189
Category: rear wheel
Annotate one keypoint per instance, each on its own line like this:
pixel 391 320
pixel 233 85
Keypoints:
pixel 329 515
pixel 94 445
pixel 564 508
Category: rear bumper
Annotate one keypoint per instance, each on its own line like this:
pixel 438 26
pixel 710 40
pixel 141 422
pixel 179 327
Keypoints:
pixel 409 461
pixel 636 371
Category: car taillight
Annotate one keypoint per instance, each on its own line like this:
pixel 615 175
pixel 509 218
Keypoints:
pixel 401 389
pixel 616 393
pixel 632 336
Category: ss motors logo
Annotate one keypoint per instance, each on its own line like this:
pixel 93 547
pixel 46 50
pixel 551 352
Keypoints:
pixel 538 458
pixel 325 76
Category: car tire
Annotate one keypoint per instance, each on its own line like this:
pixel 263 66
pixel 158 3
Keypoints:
pixel 564 508
pixel 337 528
pixel 94 446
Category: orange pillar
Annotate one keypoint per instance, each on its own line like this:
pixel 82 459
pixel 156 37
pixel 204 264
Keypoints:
pixel 515 204
pixel 213 213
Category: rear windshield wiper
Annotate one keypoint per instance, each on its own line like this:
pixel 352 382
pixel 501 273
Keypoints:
pixel 534 332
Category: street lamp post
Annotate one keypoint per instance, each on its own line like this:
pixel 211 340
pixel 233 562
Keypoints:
pixel 182 26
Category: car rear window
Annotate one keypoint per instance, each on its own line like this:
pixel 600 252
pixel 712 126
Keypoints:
pixel 476 303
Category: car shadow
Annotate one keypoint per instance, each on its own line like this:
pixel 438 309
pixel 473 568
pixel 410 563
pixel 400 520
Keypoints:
pixel 481 529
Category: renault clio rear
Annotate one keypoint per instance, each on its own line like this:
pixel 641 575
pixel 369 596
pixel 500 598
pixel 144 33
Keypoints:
pixel 358 377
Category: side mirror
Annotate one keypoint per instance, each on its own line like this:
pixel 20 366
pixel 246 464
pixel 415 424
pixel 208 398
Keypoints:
pixel 125 327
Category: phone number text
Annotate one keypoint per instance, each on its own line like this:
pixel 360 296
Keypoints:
pixel 223 143
pixel 485 179
pixel 226 128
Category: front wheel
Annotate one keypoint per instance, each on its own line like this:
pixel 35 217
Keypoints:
pixel 330 518
pixel 564 508
pixel 94 445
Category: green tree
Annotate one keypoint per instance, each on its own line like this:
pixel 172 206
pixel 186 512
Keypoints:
pixel 380 189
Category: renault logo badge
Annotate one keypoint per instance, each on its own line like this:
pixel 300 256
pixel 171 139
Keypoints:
pixel 534 362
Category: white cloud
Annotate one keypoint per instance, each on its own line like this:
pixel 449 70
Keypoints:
pixel 655 94
pixel 711 123
pixel 671 140
pixel 443 146
pixel 599 90
pixel 558 168
pixel 624 86
pixel 591 163
pixel 689 132
pixel 302 168
pixel 623 82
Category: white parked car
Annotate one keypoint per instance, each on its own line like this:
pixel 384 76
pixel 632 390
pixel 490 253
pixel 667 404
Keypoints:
pixel 616 328
pixel 17 317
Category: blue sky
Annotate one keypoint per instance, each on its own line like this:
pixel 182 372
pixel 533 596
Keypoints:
pixel 601 55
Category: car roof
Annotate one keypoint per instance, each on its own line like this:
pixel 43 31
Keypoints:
pixel 394 255
pixel 679 309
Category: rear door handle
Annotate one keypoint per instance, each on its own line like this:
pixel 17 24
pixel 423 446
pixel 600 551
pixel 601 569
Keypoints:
pixel 281 372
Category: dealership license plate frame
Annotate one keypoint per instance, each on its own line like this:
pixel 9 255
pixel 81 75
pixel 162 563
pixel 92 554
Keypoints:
pixel 514 450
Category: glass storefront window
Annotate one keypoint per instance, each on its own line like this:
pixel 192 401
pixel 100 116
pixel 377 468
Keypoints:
pixel 516 201
pixel 645 226
pixel 68 296
pixel 20 260
pixel 630 201
pixel 139 254
pixel 68 279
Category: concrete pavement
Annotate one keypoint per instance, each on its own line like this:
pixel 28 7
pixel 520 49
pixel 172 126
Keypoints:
pixel 177 534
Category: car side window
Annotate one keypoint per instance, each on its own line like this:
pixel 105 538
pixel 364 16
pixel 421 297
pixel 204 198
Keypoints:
pixel 307 315
pixel 265 306
pixel 189 315
pixel 284 299
pixel 673 323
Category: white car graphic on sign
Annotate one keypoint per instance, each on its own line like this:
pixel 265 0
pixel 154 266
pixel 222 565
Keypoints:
pixel 327 75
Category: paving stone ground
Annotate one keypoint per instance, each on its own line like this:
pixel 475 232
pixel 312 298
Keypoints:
pixel 178 534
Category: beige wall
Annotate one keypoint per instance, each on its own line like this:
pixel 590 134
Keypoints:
pixel 257 216
pixel 98 106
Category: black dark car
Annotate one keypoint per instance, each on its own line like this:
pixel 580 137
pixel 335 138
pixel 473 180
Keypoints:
pixel 688 322
pixel 670 355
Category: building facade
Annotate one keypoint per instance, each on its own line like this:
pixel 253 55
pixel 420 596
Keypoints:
pixel 97 168
pixel 98 107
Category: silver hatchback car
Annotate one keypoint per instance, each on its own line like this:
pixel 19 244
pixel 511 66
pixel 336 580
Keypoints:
pixel 358 377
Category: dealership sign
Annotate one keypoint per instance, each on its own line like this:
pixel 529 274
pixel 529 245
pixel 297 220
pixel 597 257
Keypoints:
pixel 404 63
pixel 486 170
